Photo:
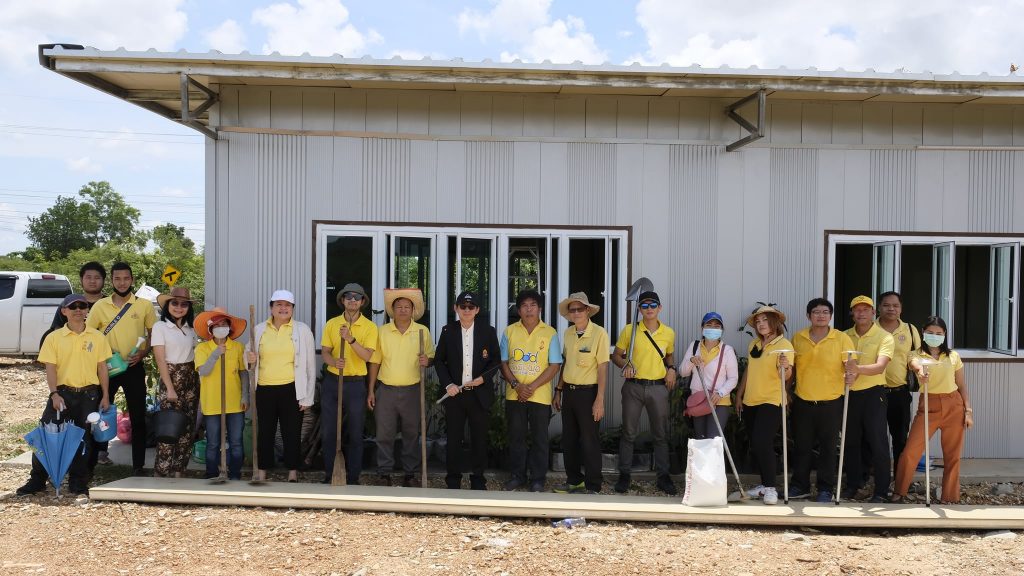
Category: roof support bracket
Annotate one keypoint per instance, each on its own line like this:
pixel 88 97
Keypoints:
pixel 754 132
pixel 190 117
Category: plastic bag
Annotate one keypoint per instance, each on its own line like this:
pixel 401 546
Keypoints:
pixel 124 428
pixel 706 483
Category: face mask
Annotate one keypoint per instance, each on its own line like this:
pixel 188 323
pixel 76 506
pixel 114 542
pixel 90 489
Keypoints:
pixel 934 340
pixel 712 333
pixel 123 294
pixel 221 331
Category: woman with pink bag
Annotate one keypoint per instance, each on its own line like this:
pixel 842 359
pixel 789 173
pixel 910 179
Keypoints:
pixel 717 362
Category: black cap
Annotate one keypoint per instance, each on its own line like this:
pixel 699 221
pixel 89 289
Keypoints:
pixel 649 295
pixel 467 297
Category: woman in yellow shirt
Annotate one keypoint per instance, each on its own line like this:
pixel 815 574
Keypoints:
pixel 949 410
pixel 759 396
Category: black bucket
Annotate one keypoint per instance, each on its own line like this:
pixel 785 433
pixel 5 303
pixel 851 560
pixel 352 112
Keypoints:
pixel 168 425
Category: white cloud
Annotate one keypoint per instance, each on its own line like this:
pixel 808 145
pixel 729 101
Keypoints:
pixel 320 27
pixel 106 24
pixel 939 36
pixel 228 37
pixel 529 27
pixel 83 164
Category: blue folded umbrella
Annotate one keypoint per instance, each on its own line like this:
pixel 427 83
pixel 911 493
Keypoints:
pixel 56 446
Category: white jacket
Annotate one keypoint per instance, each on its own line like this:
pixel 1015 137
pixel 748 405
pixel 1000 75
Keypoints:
pixel 305 360
pixel 727 378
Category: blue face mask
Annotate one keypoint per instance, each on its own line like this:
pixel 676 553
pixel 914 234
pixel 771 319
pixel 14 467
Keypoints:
pixel 712 333
pixel 934 340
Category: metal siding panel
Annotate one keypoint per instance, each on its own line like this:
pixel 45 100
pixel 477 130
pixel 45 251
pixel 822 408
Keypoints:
pixel 541 178
pixel 444 114
pixel 1018 193
pixel 490 178
pixel 476 115
pixel 227 106
pixel 423 181
pixel 629 161
pixel 729 247
pixel 381 112
pixel 347 187
pixel 632 118
pixel 590 184
pixel 663 119
pixel 847 124
pixel 996 396
pixel 816 123
pixel 254 107
pixel 601 112
pixel 694 208
pixel 651 245
pixel 217 187
pixel 317 109
pixel 792 214
pixel 929 185
pixel 756 226
pixel 937 125
pixel 990 191
pixel 856 187
pixel 892 192
pixel 386 179
pixel 507 113
pixel 955 170
pixel 832 167
pixel 236 210
pixel 1018 126
pixel 350 110
pixel 907 124
pixel 286 108
pixel 694 119
pixel 413 114
pixel 451 181
pixel 998 127
pixel 538 116
pixel 785 122
pixel 877 123
pixel 571 116
pixel 968 125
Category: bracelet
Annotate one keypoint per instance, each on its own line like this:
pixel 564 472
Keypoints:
pixel 352 341
pixel 969 410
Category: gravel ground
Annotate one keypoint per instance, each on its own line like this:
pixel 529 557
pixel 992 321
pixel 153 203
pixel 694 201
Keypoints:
pixel 44 534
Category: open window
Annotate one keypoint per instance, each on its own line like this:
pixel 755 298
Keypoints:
pixel 1003 286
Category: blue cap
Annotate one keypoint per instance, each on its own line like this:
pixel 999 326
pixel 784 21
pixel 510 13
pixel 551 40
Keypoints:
pixel 71 299
pixel 712 316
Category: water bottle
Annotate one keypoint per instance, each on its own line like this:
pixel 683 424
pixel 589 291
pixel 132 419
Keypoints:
pixel 568 523
pixel 138 344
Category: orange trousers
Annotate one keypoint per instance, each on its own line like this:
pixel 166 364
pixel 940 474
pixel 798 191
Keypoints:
pixel 945 413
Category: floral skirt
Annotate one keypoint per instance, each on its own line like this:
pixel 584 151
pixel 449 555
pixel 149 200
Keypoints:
pixel 171 458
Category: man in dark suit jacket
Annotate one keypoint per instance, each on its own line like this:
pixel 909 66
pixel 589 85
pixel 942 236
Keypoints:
pixel 466 359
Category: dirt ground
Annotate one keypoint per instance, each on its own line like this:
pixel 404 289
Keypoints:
pixel 46 535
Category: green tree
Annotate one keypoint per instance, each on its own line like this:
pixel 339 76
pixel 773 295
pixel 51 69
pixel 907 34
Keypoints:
pixel 116 219
pixel 101 216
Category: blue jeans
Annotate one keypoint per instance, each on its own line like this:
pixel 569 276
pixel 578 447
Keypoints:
pixel 236 453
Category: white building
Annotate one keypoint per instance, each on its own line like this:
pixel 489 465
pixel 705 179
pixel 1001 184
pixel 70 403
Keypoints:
pixel 450 175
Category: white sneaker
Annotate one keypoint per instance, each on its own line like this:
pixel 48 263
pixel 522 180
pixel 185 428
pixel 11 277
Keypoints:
pixel 756 491
pixel 771 496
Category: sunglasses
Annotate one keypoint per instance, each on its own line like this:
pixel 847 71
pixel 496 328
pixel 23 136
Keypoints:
pixel 78 306
pixel 467 307
pixel 576 310
pixel 353 297
pixel 180 303
pixel 649 305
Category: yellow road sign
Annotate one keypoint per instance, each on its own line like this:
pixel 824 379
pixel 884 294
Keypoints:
pixel 171 275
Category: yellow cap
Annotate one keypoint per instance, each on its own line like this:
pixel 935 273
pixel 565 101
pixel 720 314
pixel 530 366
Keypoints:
pixel 862 300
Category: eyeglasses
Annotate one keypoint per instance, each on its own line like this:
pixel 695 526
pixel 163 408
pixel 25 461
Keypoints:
pixel 78 306
pixel 467 307
pixel 576 310
pixel 180 303
pixel 353 297
pixel 649 305
pixel 821 312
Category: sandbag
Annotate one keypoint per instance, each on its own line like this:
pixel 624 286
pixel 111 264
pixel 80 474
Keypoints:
pixel 706 484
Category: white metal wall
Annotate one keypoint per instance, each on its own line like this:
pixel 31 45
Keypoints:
pixel 713 230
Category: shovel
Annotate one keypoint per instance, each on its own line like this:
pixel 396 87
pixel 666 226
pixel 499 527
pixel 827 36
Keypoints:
pixel 721 432
pixel 256 480
pixel 223 476
pixel 785 435
pixel 641 285
pixel 842 434
pixel 338 475
pixel 925 363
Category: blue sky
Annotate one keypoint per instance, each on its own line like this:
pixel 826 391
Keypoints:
pixel 56 135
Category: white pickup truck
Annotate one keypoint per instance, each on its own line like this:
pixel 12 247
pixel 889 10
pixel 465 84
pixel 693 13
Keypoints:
pixel 27 303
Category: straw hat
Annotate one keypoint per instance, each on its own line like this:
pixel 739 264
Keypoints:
pixel 765 309
pixel 176 293
pixel 205 319
pixel 414 295
pixel 581 297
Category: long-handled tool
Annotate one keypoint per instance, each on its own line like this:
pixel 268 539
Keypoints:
pixel 785 434
pixel 256 480
pixel 423 417
pixel 484 374
pixel 925 363
pixel 641 285
pixel 721 432
pixel 223 476
pixel 842 431
pixel 338 475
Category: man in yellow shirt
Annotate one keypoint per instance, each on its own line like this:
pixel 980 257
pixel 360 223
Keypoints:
pixel 76 374
pixel 866 413
pixel 124 319
pixel 396 364
pixel 357 335
pixel 647 386
pixel 530 358
pixel 906 340
pixel 817 408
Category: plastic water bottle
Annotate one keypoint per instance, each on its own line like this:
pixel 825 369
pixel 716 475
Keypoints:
pixel 569 523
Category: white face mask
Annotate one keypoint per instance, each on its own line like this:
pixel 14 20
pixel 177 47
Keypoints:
pixel 221 331
pixel 934 340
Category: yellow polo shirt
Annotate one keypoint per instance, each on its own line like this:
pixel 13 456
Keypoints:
pixel 398 353
pixel 649 366
pixel 363 330
pixel 876 342
pixel 906 339
pixel 77 356
pixel 708 356
pixel 209 386
pixel 528 355
pixel 277 355
pixel 820 367
pixel 136 322
pixel 942 376
pixel 584 354
pixel 763 383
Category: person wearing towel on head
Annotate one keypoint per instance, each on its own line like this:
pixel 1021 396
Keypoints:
pixel 716 361
pixel 285 380
pixel 220 331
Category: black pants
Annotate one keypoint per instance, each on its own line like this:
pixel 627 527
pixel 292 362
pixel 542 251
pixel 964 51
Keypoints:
pixel 866 425
pixel 816 422
pixel 133 382
pixel 763 421
pixel 581 442
pixel 458 410
pixel 78 405
pixel 353 419
pixel 278 405
pixel 528 418
pixel 898 415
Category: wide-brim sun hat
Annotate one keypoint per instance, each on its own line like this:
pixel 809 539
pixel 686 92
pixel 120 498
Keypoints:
pixel 176 293
pixel 205 319
pixel 765 309
pixel 581 297
pixel 414 295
